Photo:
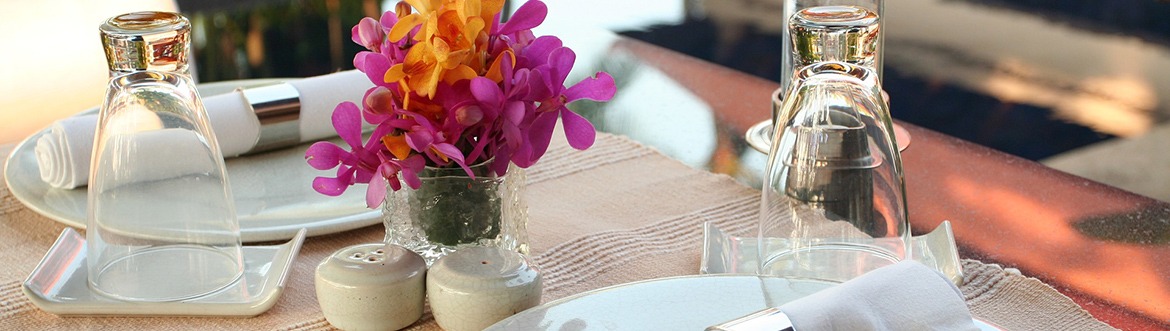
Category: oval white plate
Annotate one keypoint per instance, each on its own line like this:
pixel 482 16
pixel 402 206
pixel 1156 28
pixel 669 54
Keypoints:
pixel 676 303
pixel 273 192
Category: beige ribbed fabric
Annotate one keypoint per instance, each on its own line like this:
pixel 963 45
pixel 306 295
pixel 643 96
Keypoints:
pixel 617 213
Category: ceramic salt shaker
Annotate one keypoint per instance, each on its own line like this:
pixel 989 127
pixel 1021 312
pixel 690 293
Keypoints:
pixel 372 287
pixel 476 287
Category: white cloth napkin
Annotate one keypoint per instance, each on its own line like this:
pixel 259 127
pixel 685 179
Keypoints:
pixel 904 296
pixel 156 147
pixel 63 154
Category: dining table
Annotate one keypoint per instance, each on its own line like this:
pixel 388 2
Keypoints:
pixel 1041 249
pixel 618 213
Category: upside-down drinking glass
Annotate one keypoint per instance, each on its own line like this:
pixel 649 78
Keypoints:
pixel 161 222
pixel 833 200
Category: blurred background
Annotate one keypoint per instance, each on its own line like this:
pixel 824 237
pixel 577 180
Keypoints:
pixel 1078 85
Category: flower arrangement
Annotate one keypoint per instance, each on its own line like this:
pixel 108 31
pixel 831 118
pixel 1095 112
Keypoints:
pixel 453 87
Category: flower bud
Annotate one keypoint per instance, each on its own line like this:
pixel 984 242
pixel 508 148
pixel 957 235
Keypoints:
pixel 468 116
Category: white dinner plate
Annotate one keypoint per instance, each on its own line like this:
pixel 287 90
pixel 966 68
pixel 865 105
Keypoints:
pixel 273 192
pixel 677 303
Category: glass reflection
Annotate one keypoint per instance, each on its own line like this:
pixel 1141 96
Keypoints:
pixel 653 109
pixel 1013 90
pixel 1011 103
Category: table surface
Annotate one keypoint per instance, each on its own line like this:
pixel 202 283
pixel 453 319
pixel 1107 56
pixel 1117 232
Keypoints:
pixel 1103 247
pixel 1099 245
pixel 627 214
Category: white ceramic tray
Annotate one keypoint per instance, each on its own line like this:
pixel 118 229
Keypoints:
pixel 723 253
pixel 678 303
pixel 273 192
pixel 59 284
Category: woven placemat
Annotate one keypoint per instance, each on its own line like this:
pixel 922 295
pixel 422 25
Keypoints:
pixel 616 213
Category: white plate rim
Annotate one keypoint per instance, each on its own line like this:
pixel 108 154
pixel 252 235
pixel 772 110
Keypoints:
pixel 984 326
pixel 248 233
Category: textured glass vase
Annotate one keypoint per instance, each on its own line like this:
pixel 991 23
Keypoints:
pixel 453 210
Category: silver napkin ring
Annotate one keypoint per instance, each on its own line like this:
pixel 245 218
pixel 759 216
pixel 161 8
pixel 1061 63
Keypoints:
pixel 771 319
pixel 278 107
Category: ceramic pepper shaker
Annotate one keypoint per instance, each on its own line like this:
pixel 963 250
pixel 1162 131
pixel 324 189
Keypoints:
pixel 372 287
pixel 476 287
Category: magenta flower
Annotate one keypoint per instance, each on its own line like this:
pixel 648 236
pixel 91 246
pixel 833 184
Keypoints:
pixel 536 53
pixel 369 34
pixel 437 144
pixel 554 97
pixel 528 16
pixel 361 162
pixel 507 101
pixel 356 165
pixel 497 98
pixel 390 171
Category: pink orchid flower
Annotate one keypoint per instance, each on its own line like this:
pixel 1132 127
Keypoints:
pixel 356 165
pixel 554 98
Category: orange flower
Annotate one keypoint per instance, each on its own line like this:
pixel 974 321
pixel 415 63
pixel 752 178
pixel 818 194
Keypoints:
pixel 450 45
pixel 397 146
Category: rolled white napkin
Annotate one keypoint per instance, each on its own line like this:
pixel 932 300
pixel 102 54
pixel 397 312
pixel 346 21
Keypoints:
pixel 904 296
pixel 180 152
pixel 63 154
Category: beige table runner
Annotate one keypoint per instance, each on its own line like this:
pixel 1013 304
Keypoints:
pixel 617 213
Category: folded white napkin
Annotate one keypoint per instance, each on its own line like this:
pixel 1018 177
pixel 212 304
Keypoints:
pixel 904 296
pixel 63 154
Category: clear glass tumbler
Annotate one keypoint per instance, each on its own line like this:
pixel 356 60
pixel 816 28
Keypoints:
pixel 833 203
pixel 161 222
